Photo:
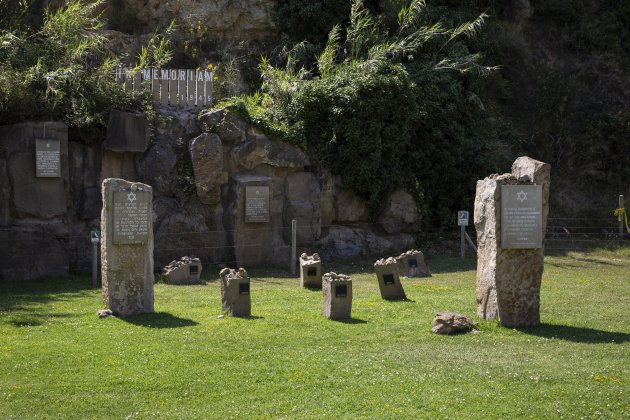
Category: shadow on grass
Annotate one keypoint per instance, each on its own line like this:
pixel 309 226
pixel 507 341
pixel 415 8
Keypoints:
pixel 576 334
pixel 159 320
pixel 20 295
pixel 351 321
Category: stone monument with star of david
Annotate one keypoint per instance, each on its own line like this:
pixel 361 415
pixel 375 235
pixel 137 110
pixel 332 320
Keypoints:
pixel 510 218
pixel 127 247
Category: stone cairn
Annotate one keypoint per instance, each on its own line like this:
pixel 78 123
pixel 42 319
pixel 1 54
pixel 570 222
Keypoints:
pixel 235 298
pixel 337 293
pixel 508 280
pixel 127 247
pixel 412 264
pixel 186 270
pixel 389 279
pixel 311 271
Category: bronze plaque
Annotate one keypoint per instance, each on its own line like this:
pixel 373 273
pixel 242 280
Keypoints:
pixel 521 216
pixel 47 158
pixel 256 204
pixel 131 216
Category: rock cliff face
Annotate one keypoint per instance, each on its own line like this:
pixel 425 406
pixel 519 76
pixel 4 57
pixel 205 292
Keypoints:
pixel 199 182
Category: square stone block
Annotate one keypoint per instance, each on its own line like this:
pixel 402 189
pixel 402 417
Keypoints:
pixel 389 279
pixel 310 271
pixel 337 296
pixel 235 292
pixel 412 264
pixel 185 271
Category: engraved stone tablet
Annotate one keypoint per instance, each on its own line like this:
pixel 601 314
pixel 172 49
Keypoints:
pixel 131 216
pixel 341 290
pixel 48 158
pixel 256 204
pixel 521 216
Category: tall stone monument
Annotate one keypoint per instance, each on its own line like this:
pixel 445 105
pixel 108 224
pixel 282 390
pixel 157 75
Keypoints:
pixel 510 218
pixel 127 247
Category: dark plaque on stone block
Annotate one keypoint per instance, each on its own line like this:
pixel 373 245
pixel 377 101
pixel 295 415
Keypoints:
pixel 47 158
pixel 131 216
pixel 243 288
pixel 311 271
pixel 388 278
pixel 341 290
pixel 256 204
pixel 193 269
pixel 521 216
pixel 412 262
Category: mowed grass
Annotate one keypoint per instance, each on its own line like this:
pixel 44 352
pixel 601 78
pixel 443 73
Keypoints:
pixel 57 358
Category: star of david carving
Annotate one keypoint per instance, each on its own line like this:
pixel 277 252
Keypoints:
pixel 521 196
pixel 131 197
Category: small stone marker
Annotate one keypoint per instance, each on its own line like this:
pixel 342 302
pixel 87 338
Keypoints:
pixel 412 264
pixel 186 270
pixel 387 272
pixel 510 218
pixel 337 293
pixel 127 247
pixel 310 271
pixel 48 158
pixel 257 204
pixel 452 323
pixel 235 297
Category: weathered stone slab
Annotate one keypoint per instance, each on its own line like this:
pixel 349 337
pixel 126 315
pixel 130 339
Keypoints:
pixel 389 284
pixel 252 242
pixel 206 154
pixel 302 203
pixel 400 213
pixel 337 296
pixel 258 149
pixel 508 280
pixel 310 271
pixel 412 264
pixel 186 270
pixel 127 132
pixel 127 247
pixel 235 292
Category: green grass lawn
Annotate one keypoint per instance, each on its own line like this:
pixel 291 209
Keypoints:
pixel 57 358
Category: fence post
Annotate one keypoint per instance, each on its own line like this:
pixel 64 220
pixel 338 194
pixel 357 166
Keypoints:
pixel 462 241
pixel 293 245
pixel 620 218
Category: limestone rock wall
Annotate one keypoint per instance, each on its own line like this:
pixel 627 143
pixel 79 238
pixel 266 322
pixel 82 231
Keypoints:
pixel 198 181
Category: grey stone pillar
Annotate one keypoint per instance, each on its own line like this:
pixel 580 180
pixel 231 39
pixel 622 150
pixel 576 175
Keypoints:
pixel 389 279
pixel 127 247
pixel 509 274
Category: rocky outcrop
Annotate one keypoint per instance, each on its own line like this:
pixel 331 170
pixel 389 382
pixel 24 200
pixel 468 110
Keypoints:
pixel 343 242
pixel 400 214
pixel 206 153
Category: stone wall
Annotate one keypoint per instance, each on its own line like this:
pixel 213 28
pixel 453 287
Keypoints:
pixel 198 180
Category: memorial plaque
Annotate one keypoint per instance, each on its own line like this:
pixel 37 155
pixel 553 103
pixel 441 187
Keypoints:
pixel 412 262
pixel 521 216
pixel 47 158
pixel 311 271
pixel 256 204
pixel 131 216
pixel 341 290
pixel 193 269
pixel 243 288
pixel 388 278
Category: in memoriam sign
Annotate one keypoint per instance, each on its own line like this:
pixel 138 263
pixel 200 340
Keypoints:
pixel 256 204
pixel 131 216
pixel 521 216
pixel 47 158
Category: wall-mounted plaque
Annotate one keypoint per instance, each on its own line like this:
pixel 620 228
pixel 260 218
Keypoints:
pixel 256 204
pixel 131 216
pixel 47 158
pixel 521 216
